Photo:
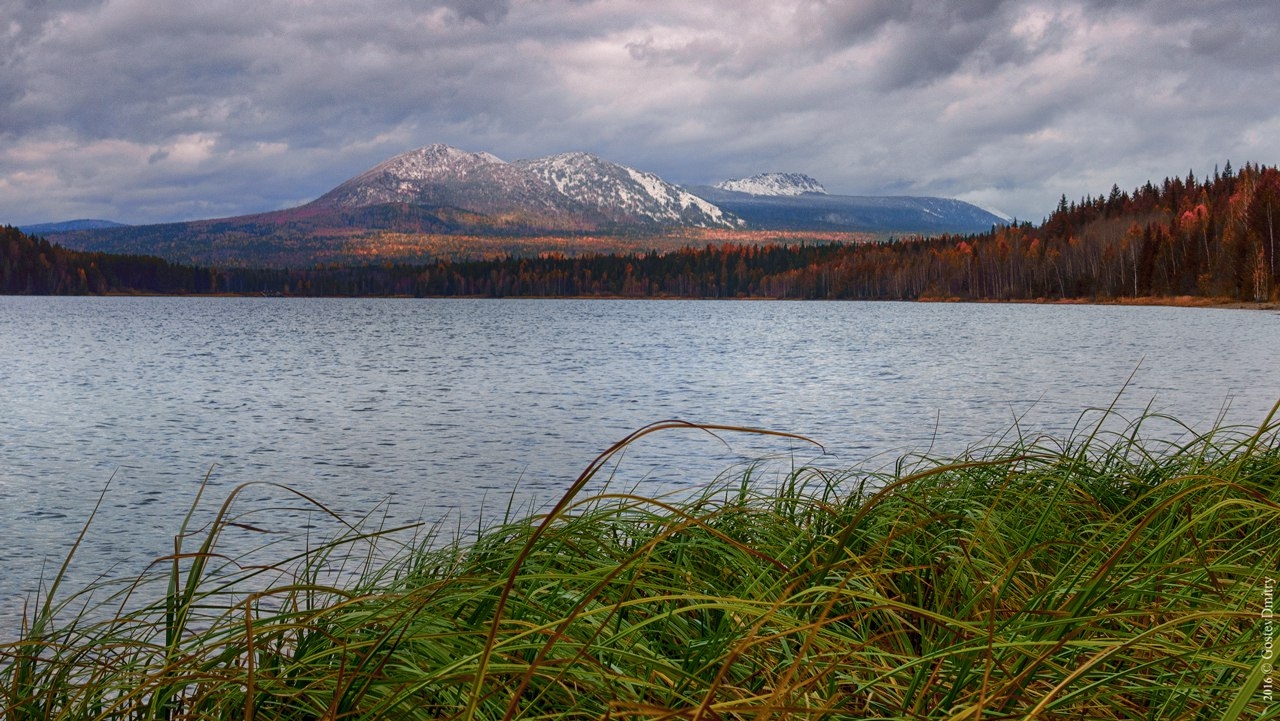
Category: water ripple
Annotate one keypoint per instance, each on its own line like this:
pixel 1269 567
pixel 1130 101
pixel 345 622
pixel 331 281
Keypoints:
pixel 438 408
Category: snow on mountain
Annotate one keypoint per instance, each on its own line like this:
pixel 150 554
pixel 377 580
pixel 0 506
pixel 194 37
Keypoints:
pixel 567 190
pixel 782 184
pixel 439 175
pixel 580 191
pixel 406 177
pixel 431 163
pixel 624 194
pixel 996 212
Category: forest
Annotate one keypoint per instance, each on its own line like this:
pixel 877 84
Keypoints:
pixel 1211 237
pixel 33 266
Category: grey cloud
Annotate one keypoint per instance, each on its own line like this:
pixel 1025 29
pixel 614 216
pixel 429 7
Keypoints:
pixel 974 10
pixel 180 72
pixel 23 24
pixel 485 11
pixel 29 18
pixel 187 109
pixel 919 41
pixel 1216 39
pixel 844 23
pixel 926 54
pixel 942 39
pixel 705 54
pixel 1208 11
pixel 1242 43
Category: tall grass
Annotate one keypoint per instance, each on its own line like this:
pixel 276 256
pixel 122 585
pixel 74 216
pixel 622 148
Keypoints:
pixel 1098 576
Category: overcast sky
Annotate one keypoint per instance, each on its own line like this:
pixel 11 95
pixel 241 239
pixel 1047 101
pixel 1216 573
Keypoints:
pixel 142 111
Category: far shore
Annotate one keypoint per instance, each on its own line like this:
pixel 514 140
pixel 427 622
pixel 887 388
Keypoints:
pixel 1179 301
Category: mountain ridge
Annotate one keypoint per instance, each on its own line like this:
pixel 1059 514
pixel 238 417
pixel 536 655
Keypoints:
pixel 825 212
pixel 568 190
pixel 64 226
pixel 438 190
pixel 622 192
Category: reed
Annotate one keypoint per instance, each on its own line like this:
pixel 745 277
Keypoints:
pixel 1098 576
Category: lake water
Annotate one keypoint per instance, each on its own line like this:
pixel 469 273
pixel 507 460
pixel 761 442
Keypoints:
pixel 437 409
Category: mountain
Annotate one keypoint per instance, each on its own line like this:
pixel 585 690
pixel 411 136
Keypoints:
pixel 439 176
pixel 625 195
pixel 772 203
pixel 567 191
pixel 441 201
pixel 69 225
pixel 403 207
pixel 773 184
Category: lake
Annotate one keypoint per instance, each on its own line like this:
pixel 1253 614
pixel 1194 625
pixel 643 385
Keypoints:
pixel 443 409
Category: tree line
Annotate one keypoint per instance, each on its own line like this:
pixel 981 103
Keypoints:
pixel 32 266
pixel 1211 237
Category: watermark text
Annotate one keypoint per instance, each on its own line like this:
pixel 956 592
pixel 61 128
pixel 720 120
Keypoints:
pixel 1268 638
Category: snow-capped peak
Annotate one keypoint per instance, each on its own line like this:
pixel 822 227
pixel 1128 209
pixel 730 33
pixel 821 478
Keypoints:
pixel 774 184
pixel 568 172
pixel 440 175
pixel 567 190
pixel 622 192
pixel 432 161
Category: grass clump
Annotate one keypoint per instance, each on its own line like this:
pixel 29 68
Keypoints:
pixel 1093 577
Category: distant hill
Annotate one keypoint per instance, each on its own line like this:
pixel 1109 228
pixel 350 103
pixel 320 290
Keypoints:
pixel 819 211
pixel 773 184
pixel 69 225
pixel 402 208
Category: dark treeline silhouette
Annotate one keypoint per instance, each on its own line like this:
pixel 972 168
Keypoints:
pixel 1211 237
pixel 716 271
pixel 33 266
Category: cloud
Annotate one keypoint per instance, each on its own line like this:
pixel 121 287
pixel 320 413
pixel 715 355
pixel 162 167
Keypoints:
pixel 142 112
pixel 485 11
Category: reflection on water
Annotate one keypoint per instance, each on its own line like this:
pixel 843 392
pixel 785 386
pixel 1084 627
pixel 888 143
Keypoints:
pixel 435 409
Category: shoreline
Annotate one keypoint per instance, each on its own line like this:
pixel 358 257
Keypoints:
pixel 1178 301
pixel 1175 301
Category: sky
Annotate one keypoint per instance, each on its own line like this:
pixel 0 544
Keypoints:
pixel 141 112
